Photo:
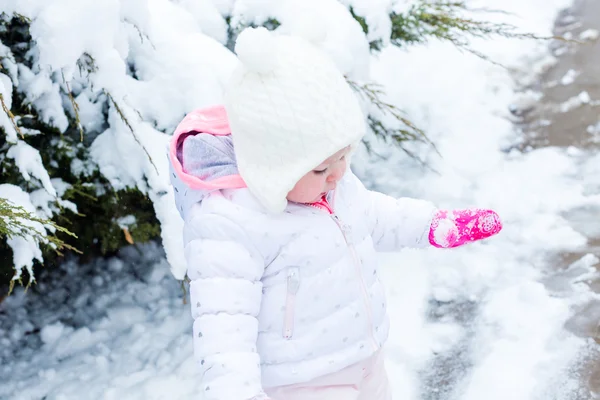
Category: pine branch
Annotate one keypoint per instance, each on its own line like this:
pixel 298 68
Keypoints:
pixel 88 63
pixel 12 224
pixel 126 121
pixel 140 33
pixel 75 106
pixel 407 132
pixel 22 18
pixel 15 221
pixel 11 116
pixel 443 20
pixel 374 93
pixel 446 21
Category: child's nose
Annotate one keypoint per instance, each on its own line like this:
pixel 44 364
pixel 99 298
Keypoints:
pixel 336 174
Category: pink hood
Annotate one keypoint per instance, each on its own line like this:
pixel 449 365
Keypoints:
pixel 201 151
pixel 202 156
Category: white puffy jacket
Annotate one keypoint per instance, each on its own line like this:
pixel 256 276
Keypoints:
pixel 281 299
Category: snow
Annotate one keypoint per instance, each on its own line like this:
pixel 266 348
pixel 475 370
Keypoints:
pixel 376 15
pixel 589 34
pixel 569 77
pixel 122 338
pixel 126 222
pixel 594 129
pixel 343 39
pixel 209 17
pixel 29 162
pixel 50 334
pixel 89 109
pixel 6 89
pixel 467 324
pixel 576 101
pixel 524 102
pixel 43 93
pixel 48 205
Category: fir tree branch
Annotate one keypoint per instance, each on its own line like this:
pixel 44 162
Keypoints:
pixel 140 33
pixel 408 131
pixel 13 223
pixel 446 21
pixel 22 18
pixel 88 63
pixel 374 93
pixel 75 107
pixel 11 116
pixel 126 121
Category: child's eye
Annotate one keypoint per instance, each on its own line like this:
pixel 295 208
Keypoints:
pixel 321 172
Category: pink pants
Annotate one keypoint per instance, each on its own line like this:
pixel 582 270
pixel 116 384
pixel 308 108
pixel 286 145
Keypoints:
pixel 366 380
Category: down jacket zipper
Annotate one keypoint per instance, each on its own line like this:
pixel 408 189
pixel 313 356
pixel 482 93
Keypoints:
pixel 293 284
pixel 348 239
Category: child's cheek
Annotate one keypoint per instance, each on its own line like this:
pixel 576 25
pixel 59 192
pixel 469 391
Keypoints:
pixel 318 184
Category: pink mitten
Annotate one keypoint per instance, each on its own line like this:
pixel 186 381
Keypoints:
pixel 457 227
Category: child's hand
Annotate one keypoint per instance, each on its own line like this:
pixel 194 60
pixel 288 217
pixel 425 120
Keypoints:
pixel 455 228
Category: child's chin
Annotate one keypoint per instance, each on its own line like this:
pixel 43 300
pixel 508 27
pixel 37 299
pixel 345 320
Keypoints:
pixel 308 200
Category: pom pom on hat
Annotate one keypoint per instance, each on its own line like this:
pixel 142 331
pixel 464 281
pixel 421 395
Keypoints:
pixel 256 48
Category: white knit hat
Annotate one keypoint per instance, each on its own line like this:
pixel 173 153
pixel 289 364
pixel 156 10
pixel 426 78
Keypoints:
pixel 289 109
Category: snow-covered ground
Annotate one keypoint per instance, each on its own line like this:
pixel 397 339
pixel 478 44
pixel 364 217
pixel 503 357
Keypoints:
pixel 481 322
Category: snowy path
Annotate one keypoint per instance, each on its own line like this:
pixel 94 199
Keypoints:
pixel 483 322
pixel 488 321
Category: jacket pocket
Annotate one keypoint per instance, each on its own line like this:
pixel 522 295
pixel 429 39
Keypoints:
pixel 293 284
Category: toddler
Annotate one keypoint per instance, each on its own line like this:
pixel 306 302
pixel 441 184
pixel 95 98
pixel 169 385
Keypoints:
pixel 281 237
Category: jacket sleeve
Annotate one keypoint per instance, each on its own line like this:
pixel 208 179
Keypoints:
pixel 396 223
pixel 225 290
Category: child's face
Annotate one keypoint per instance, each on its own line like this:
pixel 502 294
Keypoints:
pixel 321 180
